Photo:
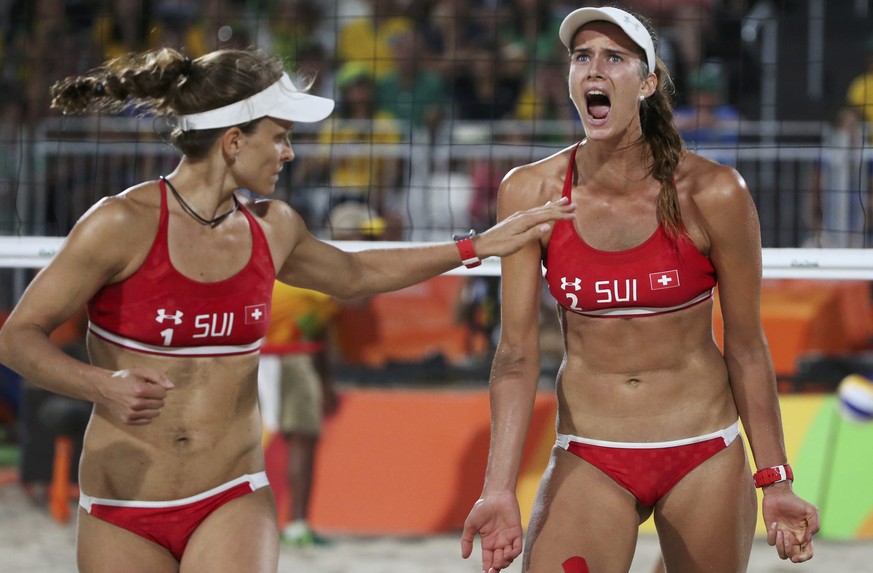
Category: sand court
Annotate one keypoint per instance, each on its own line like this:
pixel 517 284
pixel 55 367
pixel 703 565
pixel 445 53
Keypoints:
pixel 30 541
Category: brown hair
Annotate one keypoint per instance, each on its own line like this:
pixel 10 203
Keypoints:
pixel 663 138
pixel 165 83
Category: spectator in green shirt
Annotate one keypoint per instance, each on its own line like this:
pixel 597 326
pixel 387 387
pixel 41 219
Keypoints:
pixel 412 93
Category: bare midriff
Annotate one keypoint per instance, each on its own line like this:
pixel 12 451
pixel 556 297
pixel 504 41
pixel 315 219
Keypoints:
pixel 644 379
pixel 208 432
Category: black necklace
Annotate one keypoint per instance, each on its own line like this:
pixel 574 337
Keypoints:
pixel 202 220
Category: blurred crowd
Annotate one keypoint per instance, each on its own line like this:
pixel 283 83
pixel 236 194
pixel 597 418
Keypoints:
pixel 402 72
pixel 472 59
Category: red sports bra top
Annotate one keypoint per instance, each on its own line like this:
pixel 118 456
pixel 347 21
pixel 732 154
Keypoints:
pixel 658 276
pixel 158 310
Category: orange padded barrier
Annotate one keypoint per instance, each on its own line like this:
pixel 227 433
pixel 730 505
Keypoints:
pixel 403 462
pixel 811 316
pixel 408 325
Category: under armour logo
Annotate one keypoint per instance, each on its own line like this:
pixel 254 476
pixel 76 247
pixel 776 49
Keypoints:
pixel 576 283
pixel 631 21
pixel 176 317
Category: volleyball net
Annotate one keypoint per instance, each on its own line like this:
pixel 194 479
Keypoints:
pixel 491 95
pixel 812 196
pixel 799 263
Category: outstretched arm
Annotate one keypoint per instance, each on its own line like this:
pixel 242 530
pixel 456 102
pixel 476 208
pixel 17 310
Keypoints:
pixel 320 266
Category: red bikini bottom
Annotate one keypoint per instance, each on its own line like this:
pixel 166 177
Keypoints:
pixel 649 469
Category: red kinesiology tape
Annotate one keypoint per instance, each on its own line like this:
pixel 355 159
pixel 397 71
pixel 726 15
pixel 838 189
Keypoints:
pixel 575 565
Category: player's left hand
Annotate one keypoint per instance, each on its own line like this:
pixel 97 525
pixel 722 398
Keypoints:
pixel 791 522
pixel 497 520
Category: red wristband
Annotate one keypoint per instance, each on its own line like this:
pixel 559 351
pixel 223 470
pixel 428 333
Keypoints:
pixel 468 252
pixel 776 474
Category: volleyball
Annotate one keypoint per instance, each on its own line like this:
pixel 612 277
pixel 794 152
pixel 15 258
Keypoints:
pixel 855 398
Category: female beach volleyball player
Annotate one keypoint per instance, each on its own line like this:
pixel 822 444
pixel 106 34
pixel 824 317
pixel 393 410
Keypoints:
pixel 177 276
pixel 648 406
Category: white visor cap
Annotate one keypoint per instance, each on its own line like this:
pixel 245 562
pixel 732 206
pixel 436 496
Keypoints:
pixel 629 24
pixel 282 100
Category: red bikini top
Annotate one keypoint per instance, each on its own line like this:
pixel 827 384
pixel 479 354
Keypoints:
pixel 658 276
pixel 158 310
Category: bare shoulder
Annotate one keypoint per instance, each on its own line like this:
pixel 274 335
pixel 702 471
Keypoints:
pixel 128 215
pixel 115 234
pixel 270 210
pixel 709 183
pixel 534 184
pixel 281 223
pixel 715 200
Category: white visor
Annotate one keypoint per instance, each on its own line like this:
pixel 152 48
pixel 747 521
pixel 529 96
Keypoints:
pixel 282 100
pixel 630 25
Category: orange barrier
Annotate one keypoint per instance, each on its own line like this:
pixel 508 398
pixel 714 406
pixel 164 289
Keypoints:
pixel 799 317
pixel 402 461
pixel 59 490
pixel 408 325
pixel 811 316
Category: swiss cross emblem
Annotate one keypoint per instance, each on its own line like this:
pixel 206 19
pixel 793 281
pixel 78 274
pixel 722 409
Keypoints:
pixel 256 313
pixel 664 279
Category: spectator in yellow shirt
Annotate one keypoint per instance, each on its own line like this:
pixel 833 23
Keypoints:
pixel 359 172
pixel 369 38
pixel 294 358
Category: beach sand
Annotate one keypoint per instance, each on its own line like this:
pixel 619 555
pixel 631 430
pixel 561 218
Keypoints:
pixel 32 542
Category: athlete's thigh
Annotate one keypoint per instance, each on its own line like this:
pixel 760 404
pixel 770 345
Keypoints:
pixel 105 548
pixel 241 535
pixel 580 516
pixel 707 521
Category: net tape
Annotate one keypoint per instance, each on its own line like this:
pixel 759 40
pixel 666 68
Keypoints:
pixel 799 263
